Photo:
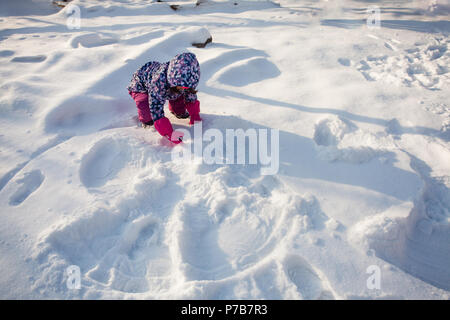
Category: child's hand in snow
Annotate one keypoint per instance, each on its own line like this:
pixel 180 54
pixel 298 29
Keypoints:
pixel 176 137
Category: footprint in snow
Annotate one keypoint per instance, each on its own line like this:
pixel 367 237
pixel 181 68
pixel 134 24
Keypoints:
pixel 345 62
pixel 102 163
pixel 199 245
pixel 308 282
pixel 29 59
pixel 125 265
pixel 92 40
pixel 6 53
pixel 29 183
pixel 390 46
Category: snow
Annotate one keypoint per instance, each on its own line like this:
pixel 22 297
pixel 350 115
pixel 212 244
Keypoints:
pixel 363 177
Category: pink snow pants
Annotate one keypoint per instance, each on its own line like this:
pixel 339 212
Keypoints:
pixel 177 106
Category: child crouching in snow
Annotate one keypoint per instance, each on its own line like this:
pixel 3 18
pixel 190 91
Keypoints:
pixel 176 80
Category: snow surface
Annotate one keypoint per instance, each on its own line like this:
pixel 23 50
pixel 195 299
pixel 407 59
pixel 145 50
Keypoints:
pixel 364 131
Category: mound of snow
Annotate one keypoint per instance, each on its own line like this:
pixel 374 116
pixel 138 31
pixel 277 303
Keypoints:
pixel 250 71
pixel 415 239
pixel 339 139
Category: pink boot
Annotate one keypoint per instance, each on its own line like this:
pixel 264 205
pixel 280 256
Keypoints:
pixel 178 108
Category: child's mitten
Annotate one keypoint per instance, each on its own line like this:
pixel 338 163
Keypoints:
pixel 164 127
pixel 194 111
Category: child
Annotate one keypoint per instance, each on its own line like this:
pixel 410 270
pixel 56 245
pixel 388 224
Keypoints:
pixel 176 80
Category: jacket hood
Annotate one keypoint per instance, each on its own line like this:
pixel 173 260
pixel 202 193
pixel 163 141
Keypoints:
pixel 184 71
